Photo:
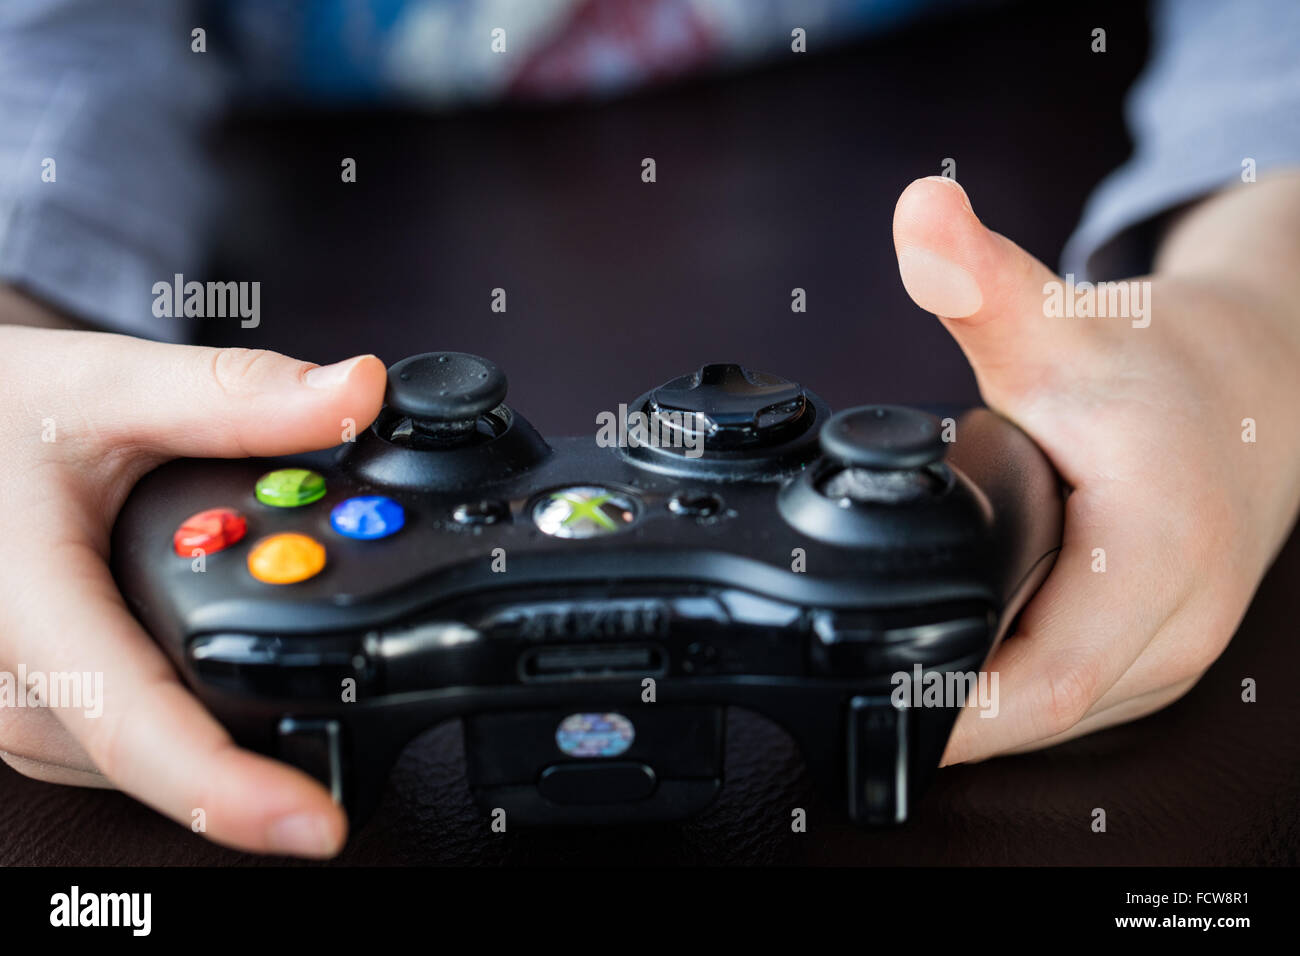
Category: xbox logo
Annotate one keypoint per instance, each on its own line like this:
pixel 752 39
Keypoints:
pixel 584 511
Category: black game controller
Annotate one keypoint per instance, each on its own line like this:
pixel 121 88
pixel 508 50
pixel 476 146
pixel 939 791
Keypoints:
pixel 590 606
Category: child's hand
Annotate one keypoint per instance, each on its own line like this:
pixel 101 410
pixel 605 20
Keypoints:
pixel 114 408
pixel 1146 425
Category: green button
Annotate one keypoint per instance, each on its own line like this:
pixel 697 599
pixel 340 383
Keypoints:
pixel 290 488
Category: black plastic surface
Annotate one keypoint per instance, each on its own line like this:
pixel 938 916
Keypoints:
pixel 883 436
pixel 778 599
pixel 734 407
pixel 445 387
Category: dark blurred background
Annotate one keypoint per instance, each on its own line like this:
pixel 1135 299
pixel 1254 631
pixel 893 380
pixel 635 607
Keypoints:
pixel 768 179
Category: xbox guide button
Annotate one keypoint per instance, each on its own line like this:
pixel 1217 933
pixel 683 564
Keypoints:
pixel 584 511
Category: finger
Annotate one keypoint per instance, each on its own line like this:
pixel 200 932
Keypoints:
pixel 153 739
pixel 175 400
pixel 1083 630
pixel 1130 708
pixel 1182 651
pixel 987 290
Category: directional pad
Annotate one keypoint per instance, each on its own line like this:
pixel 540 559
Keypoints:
pixel 733 407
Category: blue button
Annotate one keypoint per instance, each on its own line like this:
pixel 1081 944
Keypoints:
pixel 367 517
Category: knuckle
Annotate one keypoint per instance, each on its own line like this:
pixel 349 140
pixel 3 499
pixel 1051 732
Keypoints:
pixel 234 370
pixel 1071 691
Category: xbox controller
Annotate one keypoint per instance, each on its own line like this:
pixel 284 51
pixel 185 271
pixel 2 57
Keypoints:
pixel 591 606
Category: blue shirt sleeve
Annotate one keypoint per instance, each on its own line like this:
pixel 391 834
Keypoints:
pixel 104 187
pixel 1220 94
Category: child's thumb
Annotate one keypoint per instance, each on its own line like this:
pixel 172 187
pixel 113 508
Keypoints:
pixel 228 403
pixel 988 291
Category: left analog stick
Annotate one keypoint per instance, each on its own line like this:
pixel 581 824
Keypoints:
pixel 444 426
pixel 439 397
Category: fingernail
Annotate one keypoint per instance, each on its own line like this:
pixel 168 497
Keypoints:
pixel 952 182
pixel 937 284
pixel 331 376
pixel 302 834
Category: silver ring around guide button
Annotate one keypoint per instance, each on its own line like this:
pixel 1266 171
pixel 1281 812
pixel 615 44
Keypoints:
pixel 584 511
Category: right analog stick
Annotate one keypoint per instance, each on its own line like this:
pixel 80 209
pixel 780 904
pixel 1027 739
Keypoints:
pixel 883 437
pixel 885 453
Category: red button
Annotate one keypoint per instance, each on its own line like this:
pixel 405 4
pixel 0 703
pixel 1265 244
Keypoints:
pixel 209 531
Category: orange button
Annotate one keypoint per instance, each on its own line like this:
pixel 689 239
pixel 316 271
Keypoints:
pixel 286 559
